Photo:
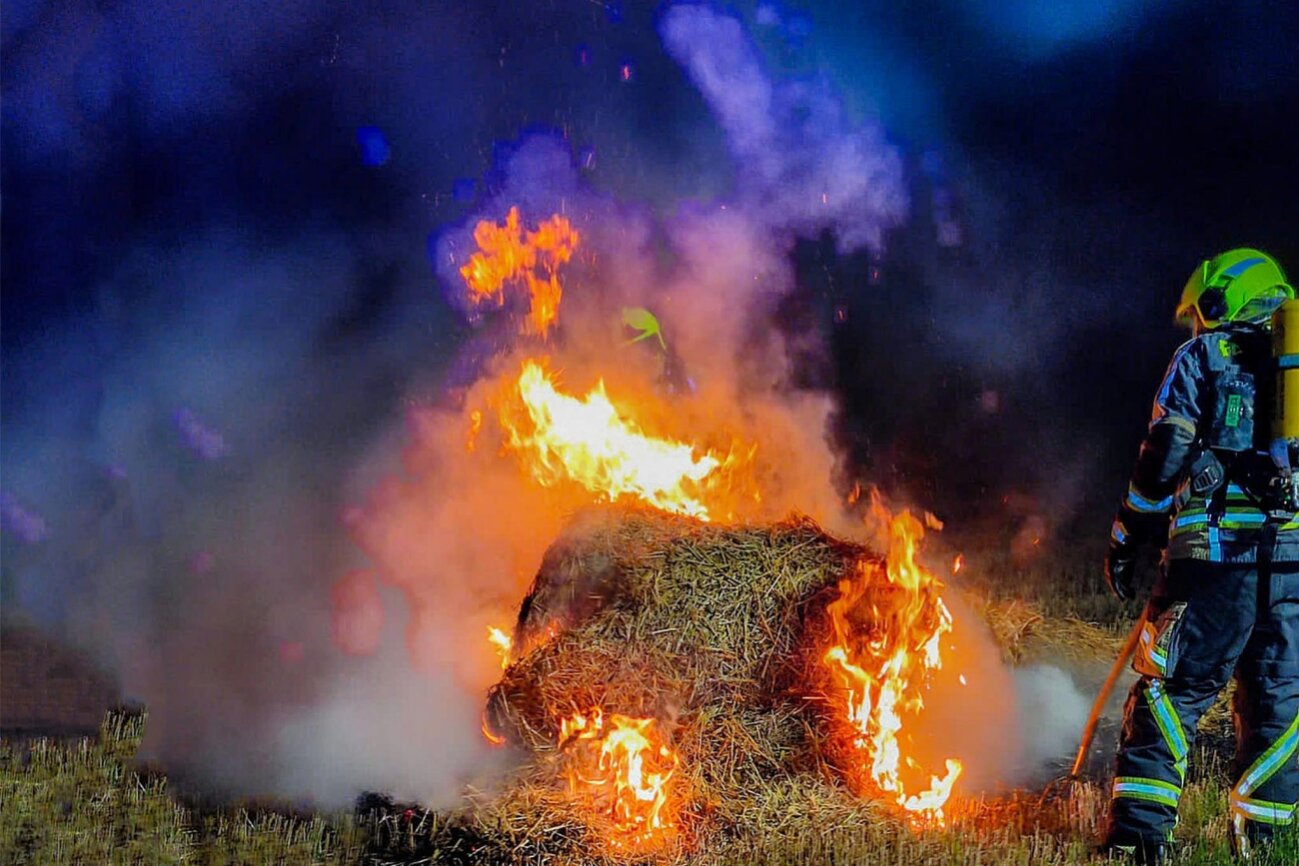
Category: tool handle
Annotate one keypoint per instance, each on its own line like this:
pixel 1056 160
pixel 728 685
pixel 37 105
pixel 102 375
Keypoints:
pixel 1102 697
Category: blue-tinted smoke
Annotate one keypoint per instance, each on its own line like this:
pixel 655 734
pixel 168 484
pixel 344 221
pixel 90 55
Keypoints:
pixel 801 162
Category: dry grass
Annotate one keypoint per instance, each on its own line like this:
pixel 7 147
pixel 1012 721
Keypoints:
pixel 703 628
pixel 86 803
pixel 1026 634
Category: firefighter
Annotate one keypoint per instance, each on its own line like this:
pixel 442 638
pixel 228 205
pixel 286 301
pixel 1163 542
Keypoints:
pixel 672 372
pixel 1227 596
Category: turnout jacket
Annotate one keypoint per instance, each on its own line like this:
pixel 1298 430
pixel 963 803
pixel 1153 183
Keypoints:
pixel 1215 401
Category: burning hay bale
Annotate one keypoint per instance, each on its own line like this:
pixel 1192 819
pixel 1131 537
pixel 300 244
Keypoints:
pixel 698 627
pixel 675 675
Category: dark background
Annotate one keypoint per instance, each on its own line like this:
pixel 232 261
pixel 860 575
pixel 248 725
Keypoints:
pixel 1087 154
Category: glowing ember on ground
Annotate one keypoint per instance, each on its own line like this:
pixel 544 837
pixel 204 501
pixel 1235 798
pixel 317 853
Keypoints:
pixel 887 626
pixel 624 768
pixel 509 255
pixel 588 440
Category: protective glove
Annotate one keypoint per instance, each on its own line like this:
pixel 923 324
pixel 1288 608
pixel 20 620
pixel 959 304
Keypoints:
pixel 1120 567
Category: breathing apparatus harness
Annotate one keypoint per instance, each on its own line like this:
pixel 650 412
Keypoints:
pixel 1267 478
pixel 1268 488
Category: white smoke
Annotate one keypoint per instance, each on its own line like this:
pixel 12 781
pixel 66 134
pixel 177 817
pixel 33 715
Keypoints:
pixel 1052 711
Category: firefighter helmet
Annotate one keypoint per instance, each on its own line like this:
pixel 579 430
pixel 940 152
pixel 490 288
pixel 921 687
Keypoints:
pixel 1240 285
pixel 645 323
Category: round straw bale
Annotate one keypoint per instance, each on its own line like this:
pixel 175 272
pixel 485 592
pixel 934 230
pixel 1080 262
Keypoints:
pixel 644 614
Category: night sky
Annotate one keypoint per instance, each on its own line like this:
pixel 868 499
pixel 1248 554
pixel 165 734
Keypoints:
pixel 1092 153
pixel 227 210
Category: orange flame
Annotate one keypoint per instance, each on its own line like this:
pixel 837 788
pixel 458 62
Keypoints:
pixel 623 769
pixel 502 642
pixel 589 441
pixel 509 254
pixel 855 493
pixel 887 630
pixel 491 736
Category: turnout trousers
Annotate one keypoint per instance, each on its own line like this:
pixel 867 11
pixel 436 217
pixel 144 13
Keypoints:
pixel 1205 621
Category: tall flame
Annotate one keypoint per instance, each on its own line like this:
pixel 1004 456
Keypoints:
pixel 886 638
pixel 624 768
pixel 589 441
pixel 509 255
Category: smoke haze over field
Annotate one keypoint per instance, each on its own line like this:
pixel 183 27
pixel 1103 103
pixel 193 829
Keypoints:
pixel 236 359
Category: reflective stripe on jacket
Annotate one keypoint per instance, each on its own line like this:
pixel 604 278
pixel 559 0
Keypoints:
pixel 1216 393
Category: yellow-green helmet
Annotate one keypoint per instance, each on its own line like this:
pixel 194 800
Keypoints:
pixel 1240 285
